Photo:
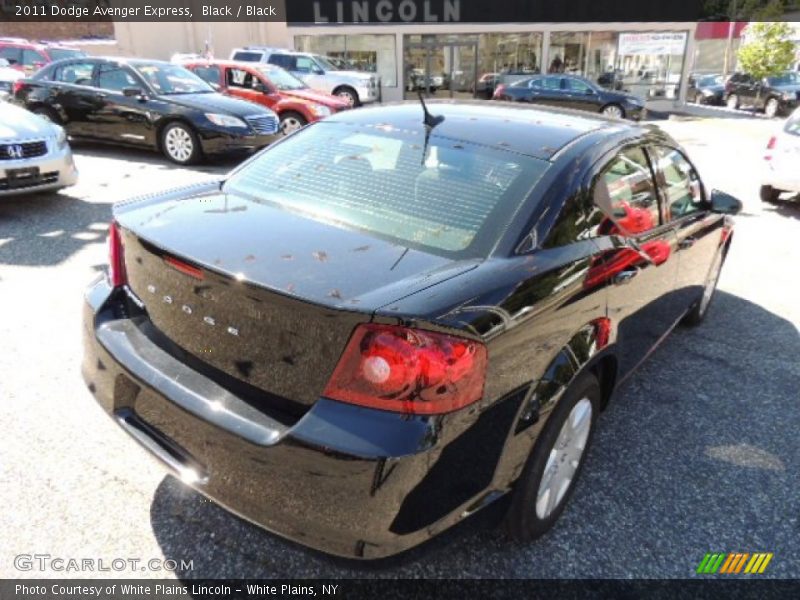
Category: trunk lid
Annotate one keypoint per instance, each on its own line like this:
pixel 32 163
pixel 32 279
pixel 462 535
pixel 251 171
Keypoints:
pixel 264 295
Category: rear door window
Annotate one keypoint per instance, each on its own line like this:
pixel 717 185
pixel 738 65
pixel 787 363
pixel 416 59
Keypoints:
pixel 33 58
pixel 115 78
pixel 77 73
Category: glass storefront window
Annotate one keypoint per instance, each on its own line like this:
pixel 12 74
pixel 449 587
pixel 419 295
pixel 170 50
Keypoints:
pixel 373 53
pixel 567 52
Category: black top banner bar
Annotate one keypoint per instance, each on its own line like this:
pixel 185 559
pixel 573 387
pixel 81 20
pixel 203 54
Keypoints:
pixel 332 12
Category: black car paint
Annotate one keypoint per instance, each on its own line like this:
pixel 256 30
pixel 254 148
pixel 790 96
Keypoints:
pixel 90 112
pixel 701 90
pixel 354 481
pixel 594 101
pixel 755 93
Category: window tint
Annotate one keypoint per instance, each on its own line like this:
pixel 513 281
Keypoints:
pixel 305 64
pixel 536 82
pixel 209 74
pixel 679 182
pixel 115 78
pixel 456 201
pixel 577 86
pixel 76 73
pixel 282 60
pixel 31 57
pixel 626 195
pixel 239 78
pixel 247 56
pixel 552 83
pixel 12 55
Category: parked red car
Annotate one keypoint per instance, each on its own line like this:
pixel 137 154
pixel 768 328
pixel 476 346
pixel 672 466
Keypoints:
pixel 295 103
pixel 29 57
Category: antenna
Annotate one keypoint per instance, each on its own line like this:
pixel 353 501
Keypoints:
pixel 430 121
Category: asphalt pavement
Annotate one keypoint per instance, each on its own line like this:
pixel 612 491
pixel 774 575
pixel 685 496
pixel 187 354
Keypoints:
pixel 699 451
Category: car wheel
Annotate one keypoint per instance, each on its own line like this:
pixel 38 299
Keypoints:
pixel 291 122
pixel 772 108
pixel 732 102
pixel 179 144
pixel 698 312
pixel 613 110
pixel 48 114
pixel 555 464
pixel 769 194
pixel 347 94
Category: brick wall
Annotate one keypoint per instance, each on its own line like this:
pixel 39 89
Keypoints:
pixel 62 30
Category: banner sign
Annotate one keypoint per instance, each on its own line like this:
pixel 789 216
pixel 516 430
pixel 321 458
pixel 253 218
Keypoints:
pixel 652 44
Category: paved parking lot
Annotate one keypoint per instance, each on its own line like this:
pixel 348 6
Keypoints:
pixel 699 451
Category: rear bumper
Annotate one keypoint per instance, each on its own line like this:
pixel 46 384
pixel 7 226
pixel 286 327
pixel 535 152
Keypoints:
pixel 346 480
pixel 56 170
pixel 784 178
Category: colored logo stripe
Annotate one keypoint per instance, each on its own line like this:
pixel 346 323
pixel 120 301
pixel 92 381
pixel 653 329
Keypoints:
pixel 734 562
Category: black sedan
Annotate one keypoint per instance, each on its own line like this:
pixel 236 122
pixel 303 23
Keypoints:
pixel 706 89
pixel 571 91
pixel 146 103
pixel 381 325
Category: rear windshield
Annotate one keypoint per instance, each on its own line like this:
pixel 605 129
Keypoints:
pixel 454 201
pixel 793 124
pixel 248 56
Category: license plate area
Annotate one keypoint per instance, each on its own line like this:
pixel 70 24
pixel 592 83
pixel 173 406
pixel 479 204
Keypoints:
pixel 25 177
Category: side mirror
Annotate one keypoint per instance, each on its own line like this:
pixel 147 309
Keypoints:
pixel 318 71
pixel 132 92
pixel 725 203
pixel 589 91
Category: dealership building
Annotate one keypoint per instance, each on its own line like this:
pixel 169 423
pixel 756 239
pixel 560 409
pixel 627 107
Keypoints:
pixel 407 39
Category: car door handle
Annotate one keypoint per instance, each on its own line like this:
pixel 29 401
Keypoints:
pixel 686 243
pixel 625 276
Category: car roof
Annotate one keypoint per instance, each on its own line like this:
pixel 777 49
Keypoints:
pixel 539 132
pixel 244 64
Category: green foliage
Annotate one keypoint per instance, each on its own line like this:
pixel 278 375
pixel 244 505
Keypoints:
pixel 768 50
pixel 748 9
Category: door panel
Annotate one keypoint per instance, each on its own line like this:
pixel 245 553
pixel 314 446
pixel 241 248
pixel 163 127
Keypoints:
pixel 243 84
pixel 116 117
pixel 638 263
pixel 72 95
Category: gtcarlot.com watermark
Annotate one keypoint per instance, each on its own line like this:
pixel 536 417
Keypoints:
pixel 48 562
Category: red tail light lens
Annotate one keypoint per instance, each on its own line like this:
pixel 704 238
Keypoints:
pixel 773 141
pixel 408 370
pixel 116 257
pixel 16 87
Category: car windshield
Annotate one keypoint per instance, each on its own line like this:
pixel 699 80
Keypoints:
pixel 326 64
pixel 59 53
pixel 283 80
pixel 168 79
pixel 710 80
pixel 453 201
pixel 788 78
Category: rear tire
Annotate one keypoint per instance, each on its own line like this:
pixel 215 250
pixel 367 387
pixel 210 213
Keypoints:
pixel 555 464
pixel 772 108
pixel 292 121
pixel 732 102
pixel 347 94
pixel 769 194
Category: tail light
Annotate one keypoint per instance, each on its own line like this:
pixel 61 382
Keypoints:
pixel 408 370
pixel 116 257
pixel 16 87
pixel 498 91
pixel 771 144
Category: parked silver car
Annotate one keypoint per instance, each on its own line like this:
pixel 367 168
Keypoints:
pixel 7 78
pixel 34 153
pixel 317 72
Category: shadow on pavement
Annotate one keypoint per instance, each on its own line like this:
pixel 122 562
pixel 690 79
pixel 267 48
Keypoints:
pixel 46 229
pixel 696 452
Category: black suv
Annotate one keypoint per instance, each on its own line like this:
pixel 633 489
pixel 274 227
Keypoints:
pixel 774 95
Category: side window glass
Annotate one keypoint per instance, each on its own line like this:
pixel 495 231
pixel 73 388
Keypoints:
pixel 239 78
pixel 625 193
pixel 79 73
pixel 683 193
pixel 32 58
pixel 208 74
pixel 552 83
pixel 115 79
pixel 304 64
pixel 578 86
pixel 12 55
pixel 535 83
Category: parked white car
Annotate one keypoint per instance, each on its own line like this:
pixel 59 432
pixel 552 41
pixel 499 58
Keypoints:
pixel 317 72
pixel 782 161
pixel 34 153
pixel 7 78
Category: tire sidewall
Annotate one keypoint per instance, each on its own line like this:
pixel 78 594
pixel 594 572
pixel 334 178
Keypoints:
pixel 776 108
pixel 522 522
pixel 195 155
pixel 293 115
pixel 351 93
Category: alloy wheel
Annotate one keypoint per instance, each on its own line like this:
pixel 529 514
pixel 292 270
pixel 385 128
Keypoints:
pixel 613 111
pixel 771 109
pixel 179 144
pixel 564 459
pixel 347 96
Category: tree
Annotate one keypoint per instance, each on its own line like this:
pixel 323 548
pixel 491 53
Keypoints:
pixel 768 50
